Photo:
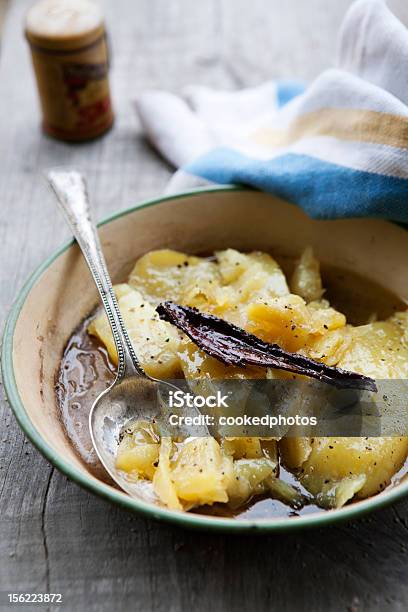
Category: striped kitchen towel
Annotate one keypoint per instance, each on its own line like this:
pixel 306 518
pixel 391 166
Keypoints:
pixel 337 148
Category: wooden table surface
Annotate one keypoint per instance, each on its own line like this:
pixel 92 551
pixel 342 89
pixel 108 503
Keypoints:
pixel 57 537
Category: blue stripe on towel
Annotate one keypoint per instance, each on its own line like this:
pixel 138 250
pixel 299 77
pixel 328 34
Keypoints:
pixel 324 190
pixel 287 89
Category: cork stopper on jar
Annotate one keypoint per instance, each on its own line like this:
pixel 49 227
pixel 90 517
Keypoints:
pixel 64 23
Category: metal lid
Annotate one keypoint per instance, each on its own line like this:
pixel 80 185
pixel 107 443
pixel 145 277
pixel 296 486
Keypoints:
pixel 64 24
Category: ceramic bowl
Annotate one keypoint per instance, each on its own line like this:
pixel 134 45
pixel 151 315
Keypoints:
pixel 59 294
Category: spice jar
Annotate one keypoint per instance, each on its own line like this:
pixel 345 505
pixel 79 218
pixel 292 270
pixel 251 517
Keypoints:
pixel 70 58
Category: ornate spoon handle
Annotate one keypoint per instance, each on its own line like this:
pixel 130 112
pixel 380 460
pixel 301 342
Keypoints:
pixel 70 188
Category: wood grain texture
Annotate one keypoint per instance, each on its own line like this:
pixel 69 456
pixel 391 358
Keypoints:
pixel 55 536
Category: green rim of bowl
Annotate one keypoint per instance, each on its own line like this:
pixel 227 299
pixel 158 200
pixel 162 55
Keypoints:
pixel 197 521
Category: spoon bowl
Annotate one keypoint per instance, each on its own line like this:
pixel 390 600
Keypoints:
pixel 123 403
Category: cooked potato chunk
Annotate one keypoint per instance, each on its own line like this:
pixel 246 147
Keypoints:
pixel 253 275
pixel 249 479
pixel 376 349
pixel 162 479
pixel 170 275
pixel 201 473
pixel 306 280
pixel 291 323
pixel 294 451
pixel 139 459
pixel 156 342
pixel 334 494
pixel 138 451
pixel 333 459
pixel 242 448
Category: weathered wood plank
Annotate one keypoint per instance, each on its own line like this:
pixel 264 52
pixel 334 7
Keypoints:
pixel 55 536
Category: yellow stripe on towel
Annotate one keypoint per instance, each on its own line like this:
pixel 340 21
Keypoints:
pixel 342 123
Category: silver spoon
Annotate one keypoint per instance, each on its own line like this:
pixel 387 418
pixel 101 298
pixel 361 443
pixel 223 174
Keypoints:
pixel 134 395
